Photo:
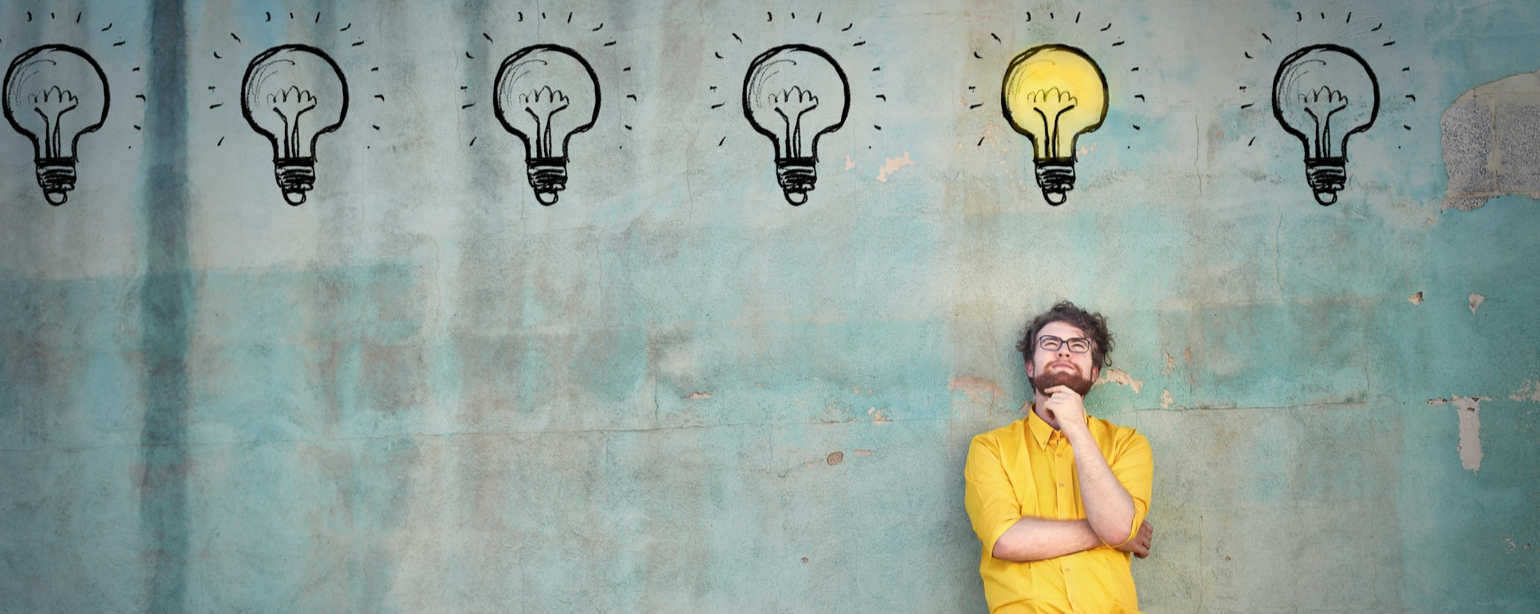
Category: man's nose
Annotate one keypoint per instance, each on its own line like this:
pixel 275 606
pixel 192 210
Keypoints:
pixel 1063 350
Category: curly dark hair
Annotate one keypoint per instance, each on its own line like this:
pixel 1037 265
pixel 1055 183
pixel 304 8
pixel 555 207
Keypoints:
pixel 1094 325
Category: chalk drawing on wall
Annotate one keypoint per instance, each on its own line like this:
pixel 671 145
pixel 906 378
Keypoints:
pixel 793 95
pixel 544 94
pixel 1323 94
pixel 1052 94
pixel 53 94
pixel 293 94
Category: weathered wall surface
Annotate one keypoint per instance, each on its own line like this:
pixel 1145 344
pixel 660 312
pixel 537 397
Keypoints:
pixel 422 390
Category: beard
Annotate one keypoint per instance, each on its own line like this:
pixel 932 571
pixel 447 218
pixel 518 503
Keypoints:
pixel 1074 380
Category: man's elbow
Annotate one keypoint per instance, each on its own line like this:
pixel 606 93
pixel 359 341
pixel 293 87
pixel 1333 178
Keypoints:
pixel 1116 535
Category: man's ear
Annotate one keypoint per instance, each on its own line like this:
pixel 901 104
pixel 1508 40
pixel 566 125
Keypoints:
pixel 1095 373
pixel 1030 374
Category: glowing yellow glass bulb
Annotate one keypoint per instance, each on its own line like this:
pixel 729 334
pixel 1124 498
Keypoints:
pixel 1053 94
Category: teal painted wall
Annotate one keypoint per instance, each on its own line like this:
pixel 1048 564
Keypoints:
pixel 423 391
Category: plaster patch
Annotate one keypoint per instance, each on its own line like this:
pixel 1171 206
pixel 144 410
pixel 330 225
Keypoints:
pixel 1469 409
pixel 698 395
pixel 1475 301
pixel 1165 399
pixel 1530 391
pixel 975 387
pixel 861 452
pixel 1170 364
pixel 835 458
pixel 1121 378
pixel 893 164
pixel 1489 142
pixel 878 415
pixel 849 163
pixel 1415 299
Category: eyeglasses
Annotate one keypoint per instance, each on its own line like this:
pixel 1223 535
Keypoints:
pixel 1078 345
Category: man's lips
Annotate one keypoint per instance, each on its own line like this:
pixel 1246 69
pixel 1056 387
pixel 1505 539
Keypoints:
pixel 1066 365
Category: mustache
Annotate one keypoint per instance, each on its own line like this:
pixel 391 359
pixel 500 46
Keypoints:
pixel 1074 380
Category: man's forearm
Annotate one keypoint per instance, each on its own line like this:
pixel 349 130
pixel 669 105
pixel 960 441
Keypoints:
pixel 1037 539
pixel 1108 507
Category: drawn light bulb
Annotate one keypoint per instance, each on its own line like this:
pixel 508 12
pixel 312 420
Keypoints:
pixel 54 94
pixel 293 94
pixel 1052 94
pixel 794 94
pixel 544 94
pixel 1324 94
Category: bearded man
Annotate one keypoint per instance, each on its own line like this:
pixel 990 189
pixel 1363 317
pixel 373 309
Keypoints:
pixel 1059 498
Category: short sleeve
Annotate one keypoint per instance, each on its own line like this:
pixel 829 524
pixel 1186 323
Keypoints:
pixel 990 498
pixel 1134 466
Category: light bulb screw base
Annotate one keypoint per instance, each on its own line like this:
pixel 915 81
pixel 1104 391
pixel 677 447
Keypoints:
pixel 296 177
pixel 1056 177
pixel 57 177
pixel 1327 176
pixel 797 177
pixel 547 176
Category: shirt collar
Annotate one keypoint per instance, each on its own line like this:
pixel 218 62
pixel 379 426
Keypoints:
pixel 1040 430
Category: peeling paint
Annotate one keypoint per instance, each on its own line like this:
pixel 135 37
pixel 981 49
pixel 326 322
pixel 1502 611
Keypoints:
pixel 834 458
pixel 1530 392
pixel 1475 301
pixel 861 452
pixel 892 165
pixel 1469 409
pixel 878 415
pixel 1121 378
pixel 1165 399
pixel 1415 299
pixel 1170 364
pixel 976 388
pixel 849 163
pixel 1487 150
pixel 698 395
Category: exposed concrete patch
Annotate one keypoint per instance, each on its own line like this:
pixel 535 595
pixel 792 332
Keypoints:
pixel 878 415
pixel 1475 301
pixel 1491 138
pixel 892 165
pixel 1415 299
pixel 1530 391
pixel 1121 378
pixel 975 387
pixel 1469 409
pixel 698 395
pixel 861 452
pixel 1170 364
pixel 1165 399
pixel 834 458
pixel 849 163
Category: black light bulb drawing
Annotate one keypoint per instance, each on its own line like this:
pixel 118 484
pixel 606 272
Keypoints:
pixel 1324 94
pixel 544 94
pixel 54 94
pixel 794 94
pixel 293 94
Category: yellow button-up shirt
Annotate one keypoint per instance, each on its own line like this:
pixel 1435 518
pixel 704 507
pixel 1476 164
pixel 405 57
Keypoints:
pixel 1027 468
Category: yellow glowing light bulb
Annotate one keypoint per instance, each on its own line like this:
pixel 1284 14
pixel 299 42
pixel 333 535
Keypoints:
pixel 1053 94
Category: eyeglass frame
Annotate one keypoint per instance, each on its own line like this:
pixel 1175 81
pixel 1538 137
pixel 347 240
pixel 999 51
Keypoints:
pixel 1065 342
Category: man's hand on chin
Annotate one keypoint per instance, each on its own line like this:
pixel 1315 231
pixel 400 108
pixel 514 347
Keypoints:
pixel 1065 406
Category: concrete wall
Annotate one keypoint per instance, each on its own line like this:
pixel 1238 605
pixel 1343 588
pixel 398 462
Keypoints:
pixel 671 391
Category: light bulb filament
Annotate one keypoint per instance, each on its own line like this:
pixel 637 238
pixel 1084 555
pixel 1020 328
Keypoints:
pixel 289 104
pixel 1320 105
pixel 542 104
pixel 53 105
pixel 790 105
pixel 1056 103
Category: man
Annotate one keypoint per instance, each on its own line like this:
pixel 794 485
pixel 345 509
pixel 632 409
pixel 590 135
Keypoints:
pixel 1059 498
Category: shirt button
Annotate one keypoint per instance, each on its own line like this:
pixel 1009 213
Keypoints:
pixel 1061 484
